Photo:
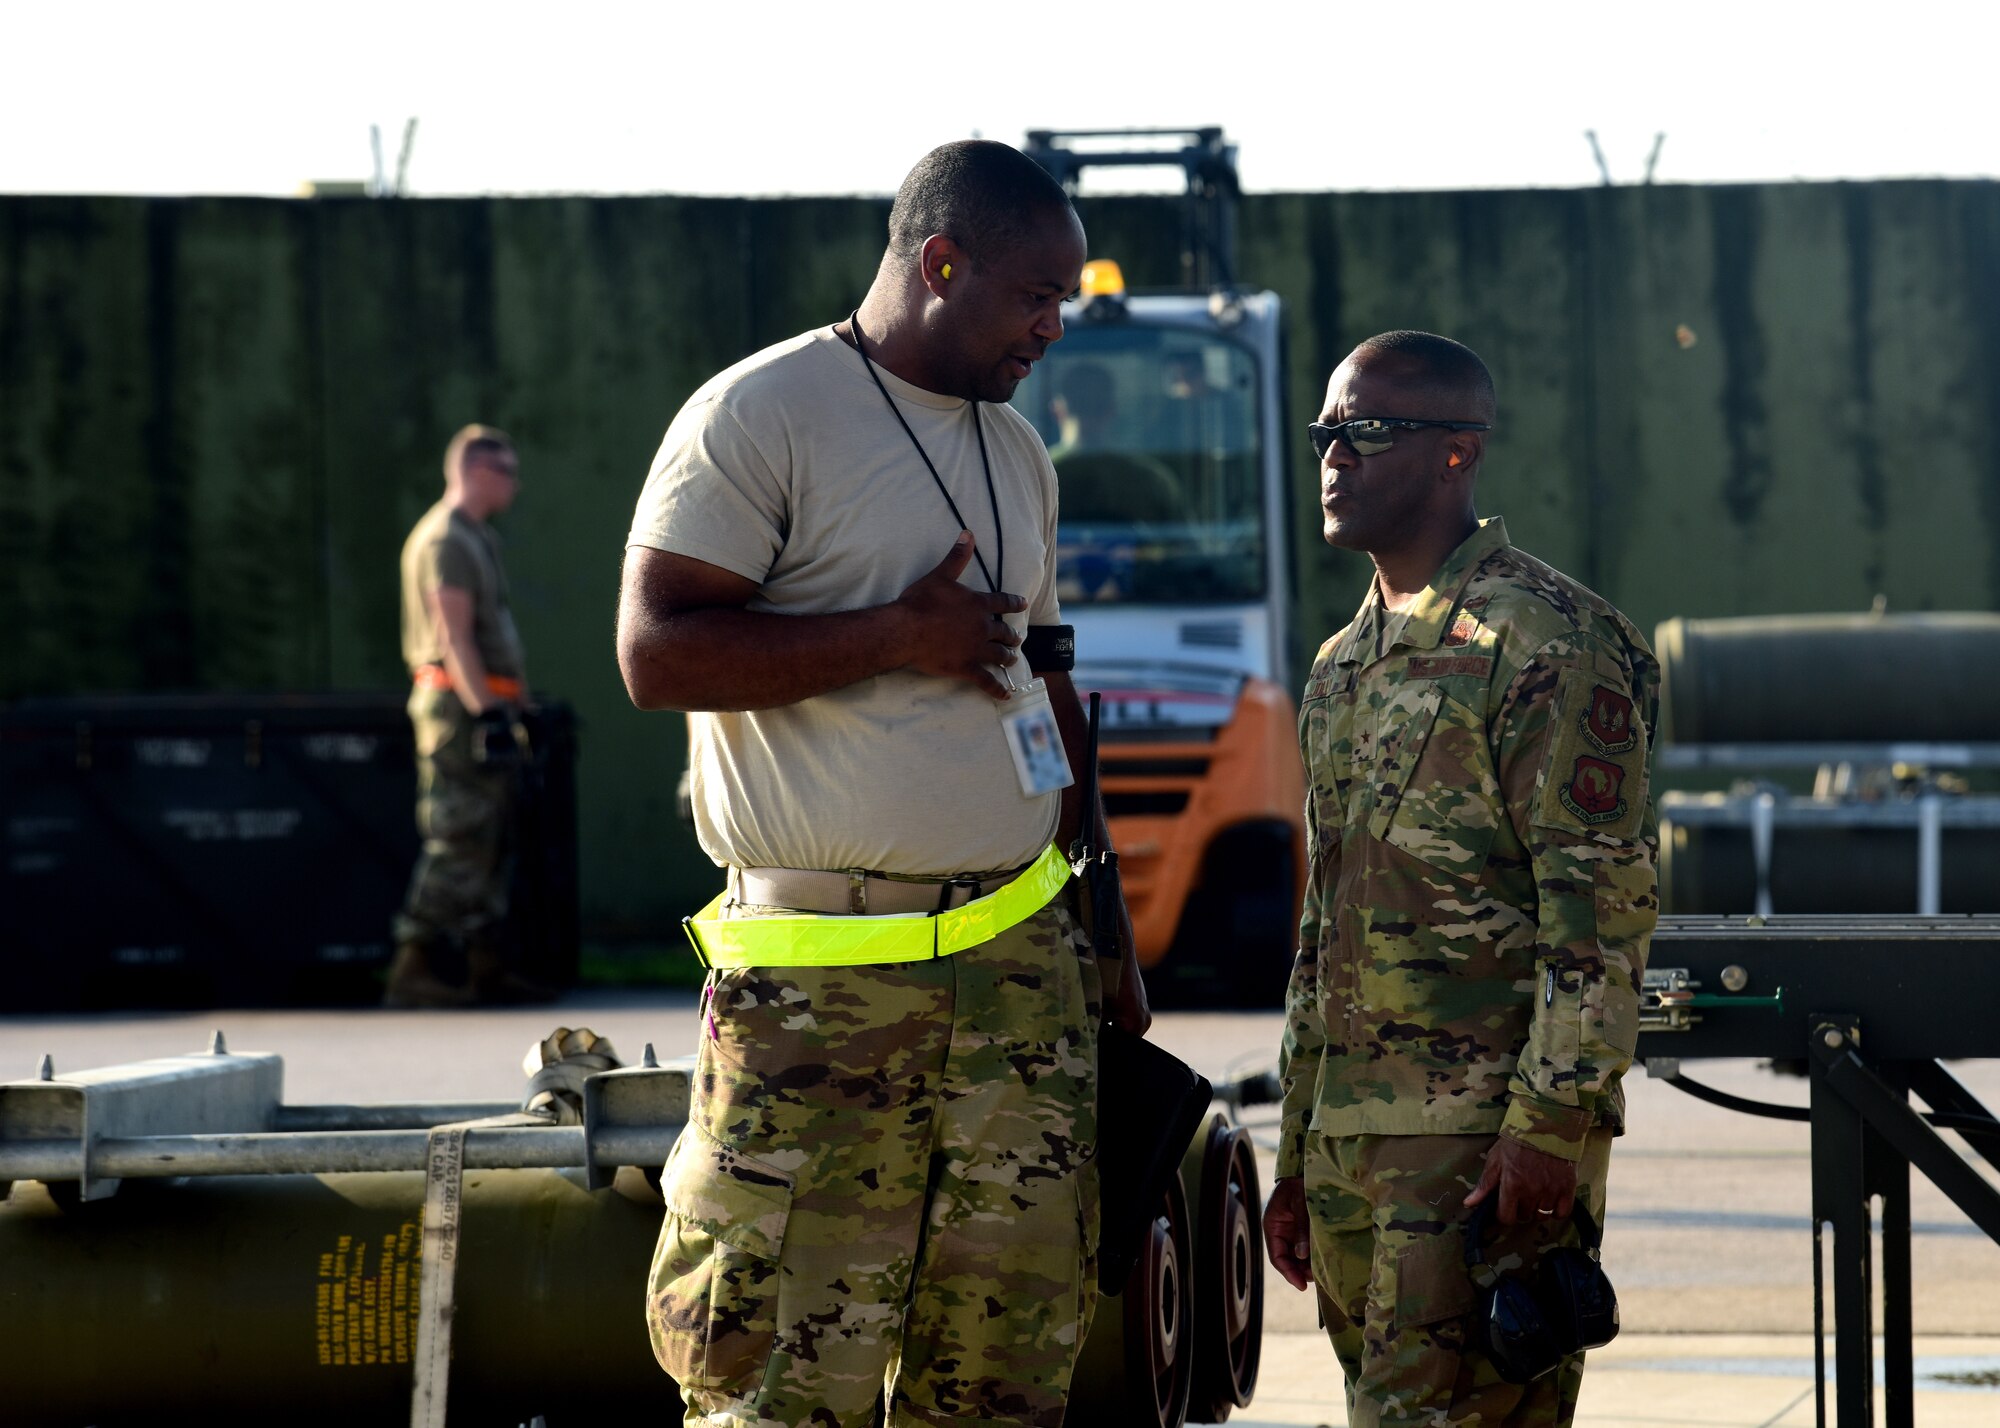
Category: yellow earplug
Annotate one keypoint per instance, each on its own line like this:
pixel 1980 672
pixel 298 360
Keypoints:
pixel 947 272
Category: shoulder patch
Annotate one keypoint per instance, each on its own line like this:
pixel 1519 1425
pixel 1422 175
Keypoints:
pixel 1592 792
pixel 1607 722
pixel 1593 777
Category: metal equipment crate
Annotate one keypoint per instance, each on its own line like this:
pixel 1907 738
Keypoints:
pixel 243 849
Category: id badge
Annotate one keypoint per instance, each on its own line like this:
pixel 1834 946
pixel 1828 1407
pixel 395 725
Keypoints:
pixel 1029 724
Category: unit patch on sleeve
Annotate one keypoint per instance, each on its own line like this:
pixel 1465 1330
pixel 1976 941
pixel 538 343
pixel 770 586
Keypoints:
pixel 1593 777
pixel 1608 722
pixel 1592 791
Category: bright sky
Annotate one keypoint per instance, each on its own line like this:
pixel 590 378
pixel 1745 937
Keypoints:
pixel 775 96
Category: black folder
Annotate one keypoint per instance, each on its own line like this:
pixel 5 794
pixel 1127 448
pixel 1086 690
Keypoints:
pixel 1149 1103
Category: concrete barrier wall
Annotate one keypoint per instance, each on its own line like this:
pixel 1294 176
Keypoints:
pixel 218 418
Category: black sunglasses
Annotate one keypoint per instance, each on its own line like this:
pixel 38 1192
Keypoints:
pixel 1369 436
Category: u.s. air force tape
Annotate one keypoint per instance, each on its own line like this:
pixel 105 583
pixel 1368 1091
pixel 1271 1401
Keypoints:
pixel 1050 648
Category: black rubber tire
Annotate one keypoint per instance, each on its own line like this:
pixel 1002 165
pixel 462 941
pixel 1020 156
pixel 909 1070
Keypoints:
pixel 1228 1278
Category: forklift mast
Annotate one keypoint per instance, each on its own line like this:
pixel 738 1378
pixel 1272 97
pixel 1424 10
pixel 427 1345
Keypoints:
pixel 1208 224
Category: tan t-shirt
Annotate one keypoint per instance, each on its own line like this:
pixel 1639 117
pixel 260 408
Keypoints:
pixel 790 470
pixel 448 547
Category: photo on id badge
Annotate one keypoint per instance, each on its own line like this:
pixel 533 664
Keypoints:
pixel 1034 740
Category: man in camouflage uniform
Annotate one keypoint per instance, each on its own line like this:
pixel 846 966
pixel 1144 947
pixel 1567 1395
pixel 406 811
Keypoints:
pixel 1481 888
pixel 467 688
pixel 885 1192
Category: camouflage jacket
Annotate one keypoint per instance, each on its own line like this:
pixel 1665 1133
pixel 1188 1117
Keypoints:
pixel 1481 862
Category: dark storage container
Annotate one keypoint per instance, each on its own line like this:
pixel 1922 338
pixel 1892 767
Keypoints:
pixel 1790 679
pixel 1851 871
pixel 241 850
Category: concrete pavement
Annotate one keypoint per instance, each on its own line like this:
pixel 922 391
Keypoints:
pixel 1667 1381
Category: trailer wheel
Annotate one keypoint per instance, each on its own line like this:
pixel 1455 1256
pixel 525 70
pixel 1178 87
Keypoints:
pixel 1160 1358
pixel 1229 1278
pixel 1137 1365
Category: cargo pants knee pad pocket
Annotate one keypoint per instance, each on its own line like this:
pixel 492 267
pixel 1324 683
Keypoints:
pixel 1431 1282
pixel 1416 1368
pixel 712 1299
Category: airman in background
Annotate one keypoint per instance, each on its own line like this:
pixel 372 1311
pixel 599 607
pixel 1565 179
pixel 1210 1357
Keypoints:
pixel 1481 889
pixel 468 686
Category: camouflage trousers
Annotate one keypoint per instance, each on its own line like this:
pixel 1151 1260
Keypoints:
pixel 885 1190
pixel 464 815
pixel 1389 1259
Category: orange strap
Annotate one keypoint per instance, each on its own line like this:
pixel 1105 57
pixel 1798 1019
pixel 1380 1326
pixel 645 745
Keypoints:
pixel 435 676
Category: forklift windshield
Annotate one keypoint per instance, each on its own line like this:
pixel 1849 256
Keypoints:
pixel 1154 435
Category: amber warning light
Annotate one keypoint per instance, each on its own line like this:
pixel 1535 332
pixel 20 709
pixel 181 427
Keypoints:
pixel 1101 278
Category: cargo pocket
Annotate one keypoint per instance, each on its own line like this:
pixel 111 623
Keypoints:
pixel 1555 1037
pixel 1431 1281
pixel 1413 1361
pixel 1446 802
pixel 1400 728
pixel 712 1298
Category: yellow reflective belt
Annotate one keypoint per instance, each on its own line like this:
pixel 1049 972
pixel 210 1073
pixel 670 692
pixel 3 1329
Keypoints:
pixel 806 940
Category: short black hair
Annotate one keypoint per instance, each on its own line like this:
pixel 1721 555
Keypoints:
pixel 983 195
pixel 1450 368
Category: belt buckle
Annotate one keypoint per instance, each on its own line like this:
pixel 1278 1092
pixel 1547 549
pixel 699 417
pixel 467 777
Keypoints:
pixel 970 886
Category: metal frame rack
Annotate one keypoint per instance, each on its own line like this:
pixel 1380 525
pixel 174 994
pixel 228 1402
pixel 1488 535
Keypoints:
pixel 1874 1004
pixel 1763 812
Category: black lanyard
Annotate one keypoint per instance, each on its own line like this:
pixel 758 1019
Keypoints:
pixel 999 535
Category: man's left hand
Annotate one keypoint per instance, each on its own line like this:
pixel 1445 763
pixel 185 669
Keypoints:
pixel 1532 1183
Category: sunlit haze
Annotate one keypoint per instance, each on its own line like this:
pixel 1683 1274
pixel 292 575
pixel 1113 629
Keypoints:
pixel 208 97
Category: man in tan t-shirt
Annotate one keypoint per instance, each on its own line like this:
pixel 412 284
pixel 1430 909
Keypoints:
pixel 842 564
pixel 467 688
